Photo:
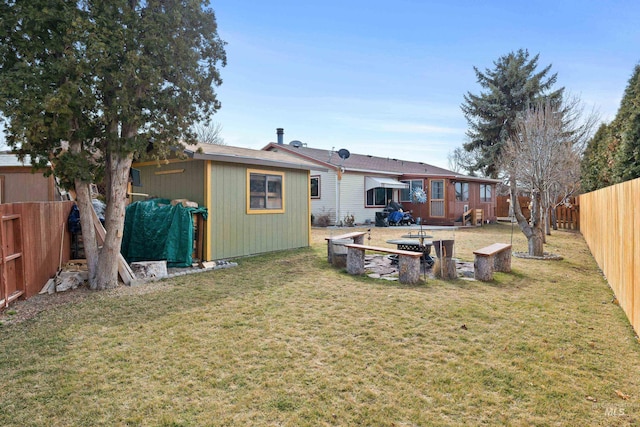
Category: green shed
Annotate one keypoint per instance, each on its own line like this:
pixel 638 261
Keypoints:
pixel 257 201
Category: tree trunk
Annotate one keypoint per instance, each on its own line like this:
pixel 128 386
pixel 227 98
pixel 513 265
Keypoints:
pixel 546 209
pixel 517 210
pixel 90 243
pixel 554 218
pixel 118 167
pixel 547 223
pixel 85 206
pixel 536 242
pixel 533 231
pixel 536 237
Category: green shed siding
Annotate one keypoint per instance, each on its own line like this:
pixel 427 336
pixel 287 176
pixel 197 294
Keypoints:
pixel 186 185
pixel 233 232
pixel 236 233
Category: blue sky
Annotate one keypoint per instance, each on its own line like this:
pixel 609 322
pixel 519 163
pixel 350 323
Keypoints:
pixel 387 78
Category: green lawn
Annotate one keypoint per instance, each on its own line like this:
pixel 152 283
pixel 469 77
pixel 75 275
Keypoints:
pixel 284 339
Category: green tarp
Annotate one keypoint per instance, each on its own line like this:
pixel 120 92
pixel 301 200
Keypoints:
pixel 155 231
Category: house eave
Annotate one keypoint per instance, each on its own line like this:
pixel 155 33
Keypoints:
pixel 476 179
pixel 324 166
pixel 233 158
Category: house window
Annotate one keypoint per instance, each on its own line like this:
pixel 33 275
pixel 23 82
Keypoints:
pixel 379 196
pixel 405 193
pixel 485 192
pixel 266 192
pixel 462 191
pixel 315 187
pixel 436 202
pixel 437 189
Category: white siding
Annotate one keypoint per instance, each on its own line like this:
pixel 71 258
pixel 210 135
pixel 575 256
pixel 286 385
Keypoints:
pixel 352 197
pixel 326 204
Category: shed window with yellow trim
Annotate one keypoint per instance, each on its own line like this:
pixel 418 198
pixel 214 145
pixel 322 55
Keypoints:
pixel 266 192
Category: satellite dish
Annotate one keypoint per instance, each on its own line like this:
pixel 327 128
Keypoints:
pixel 344 153
pixel 295 143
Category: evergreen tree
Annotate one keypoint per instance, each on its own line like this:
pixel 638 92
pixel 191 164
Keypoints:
pixel 613 154
pixel 596 166
pixel 627 165
pixel 511 88
pixel 91 84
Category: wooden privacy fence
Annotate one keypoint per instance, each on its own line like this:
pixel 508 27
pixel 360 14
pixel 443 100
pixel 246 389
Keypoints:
pixel 11 259
pixel 502 206
pixel 610 224
pixel 33 242
pixel 567 217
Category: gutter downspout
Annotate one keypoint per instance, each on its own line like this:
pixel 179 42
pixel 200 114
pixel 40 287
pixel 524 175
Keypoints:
pixel 309 208
pixel 339 178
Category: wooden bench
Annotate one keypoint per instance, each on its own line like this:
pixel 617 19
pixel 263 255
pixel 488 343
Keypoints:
pixel 356 237
pixel 408 261
pixel 496 257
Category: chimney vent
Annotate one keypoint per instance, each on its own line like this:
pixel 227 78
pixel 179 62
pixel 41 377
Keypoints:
pixel 280 133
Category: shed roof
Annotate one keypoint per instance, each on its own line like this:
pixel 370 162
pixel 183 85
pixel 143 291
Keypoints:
pixel 9 159
pixel 230 154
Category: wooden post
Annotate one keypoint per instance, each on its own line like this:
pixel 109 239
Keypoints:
pixel 200 240
pixel 355 261
pixel 445 269
pixel 408 270
pixel 483 267
pixel 502 261
pixel 4 295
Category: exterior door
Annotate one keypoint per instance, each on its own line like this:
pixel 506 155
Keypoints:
pixel 436 201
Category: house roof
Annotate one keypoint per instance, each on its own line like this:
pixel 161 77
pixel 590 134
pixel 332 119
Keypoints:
pixel 230 154
pixel 367 163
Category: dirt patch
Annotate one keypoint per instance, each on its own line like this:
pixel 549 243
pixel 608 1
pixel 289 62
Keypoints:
pixel 545 257
pixel 22 310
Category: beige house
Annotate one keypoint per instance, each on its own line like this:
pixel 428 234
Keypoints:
pixel 361 185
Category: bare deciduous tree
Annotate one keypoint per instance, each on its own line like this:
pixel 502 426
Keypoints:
pixel 460 160
pixel 209 133
pixel 543 158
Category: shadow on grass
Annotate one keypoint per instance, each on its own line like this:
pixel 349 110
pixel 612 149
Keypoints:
pixel 425 284
pixel 515 279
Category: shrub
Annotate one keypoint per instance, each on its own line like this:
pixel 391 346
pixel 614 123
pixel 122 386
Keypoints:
pixel 323 220
pixel 349 220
